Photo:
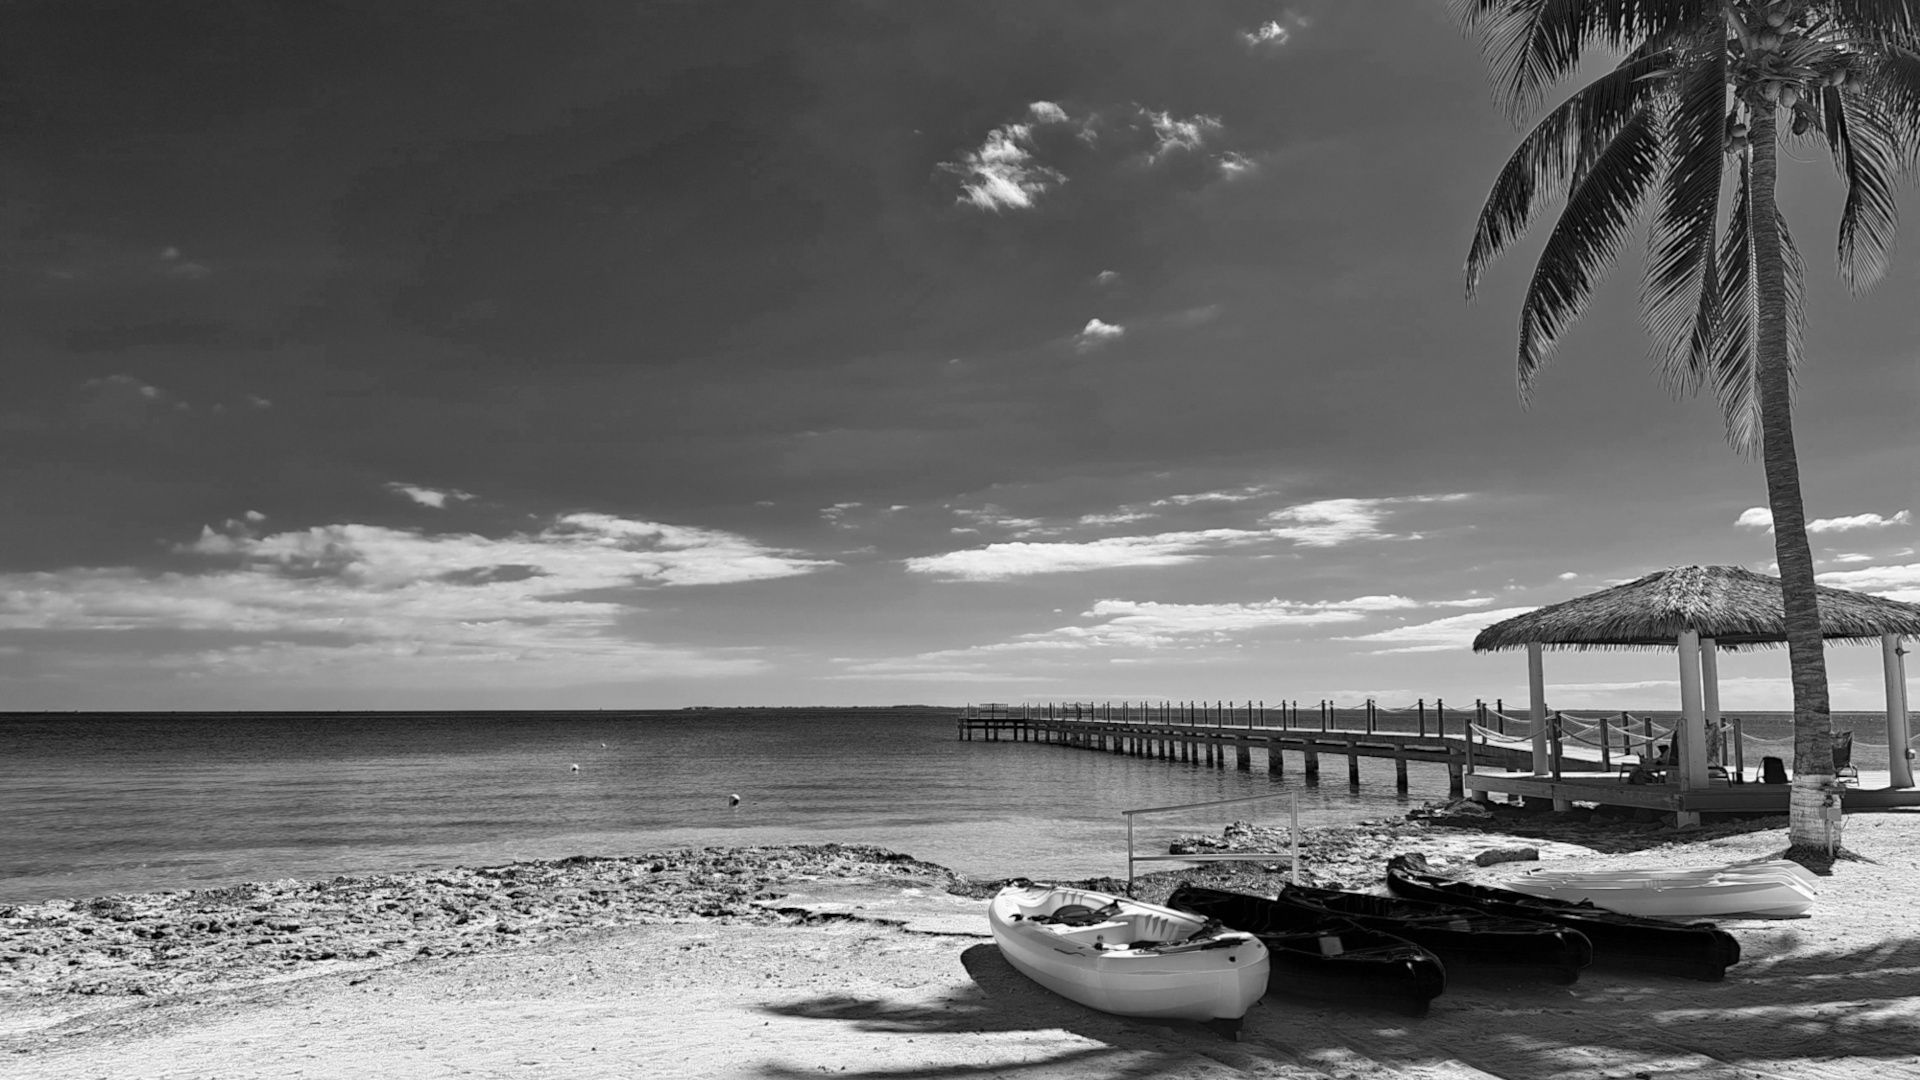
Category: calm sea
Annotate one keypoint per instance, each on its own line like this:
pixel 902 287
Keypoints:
pixel 93 804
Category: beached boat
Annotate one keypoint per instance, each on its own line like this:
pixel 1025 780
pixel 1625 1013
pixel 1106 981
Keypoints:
pixel 1697 950
pixel 1464 938
pixel 1328 958
pixel 1777 888
pixel 1128 957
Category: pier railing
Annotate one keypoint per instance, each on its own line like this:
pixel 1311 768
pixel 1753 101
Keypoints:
pixel 1576 743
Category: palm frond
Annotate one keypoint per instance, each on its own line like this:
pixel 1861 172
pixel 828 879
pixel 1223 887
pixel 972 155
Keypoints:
pixel 1866 151
pixel 1736 351
pixel 1893 17
pixel 1680 297
pixel 1892 74
pixel 1532 44
pixel 1564 144
pixel 1585 242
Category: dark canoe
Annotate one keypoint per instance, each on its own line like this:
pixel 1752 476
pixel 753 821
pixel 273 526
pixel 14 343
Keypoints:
pixel 1462 937
pixel 1332 959
pixel 1697 950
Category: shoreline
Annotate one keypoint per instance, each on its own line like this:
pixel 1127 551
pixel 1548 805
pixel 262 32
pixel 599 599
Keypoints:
pixel 859 961
pixel 156 943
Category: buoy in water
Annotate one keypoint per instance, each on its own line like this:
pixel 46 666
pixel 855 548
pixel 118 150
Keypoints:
pixel 733 800
pixel 573 768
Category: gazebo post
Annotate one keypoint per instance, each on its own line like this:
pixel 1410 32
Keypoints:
pixel 1537 707
pixel 1710 693
pixel 1894 661
pixel 1691 743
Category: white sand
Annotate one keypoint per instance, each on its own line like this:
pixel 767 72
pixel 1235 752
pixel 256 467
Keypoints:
pixel 1836 994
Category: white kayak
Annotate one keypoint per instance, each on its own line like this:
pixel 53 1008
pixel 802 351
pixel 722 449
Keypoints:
pixel 1129 957
pixel 1777 888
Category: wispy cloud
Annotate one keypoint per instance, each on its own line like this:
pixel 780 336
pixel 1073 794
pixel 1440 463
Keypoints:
pixel 374 600
pixel 1453 632
pixel 1893 582
pixel 428 496
pixel 1332 522
pixel 999 562
pixel 1760 517
pixel 1172 133
pixel 1275 33
pixel 1001 173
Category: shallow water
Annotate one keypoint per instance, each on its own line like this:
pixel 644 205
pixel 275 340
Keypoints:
pixel 106 803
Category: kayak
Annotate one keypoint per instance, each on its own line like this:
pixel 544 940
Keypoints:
pixel 1763 889
pixel 1464 938
pixel 1129 957
pixel 1326 958
pixel 1696 950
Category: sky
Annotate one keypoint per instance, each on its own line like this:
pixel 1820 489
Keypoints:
pixel 643 355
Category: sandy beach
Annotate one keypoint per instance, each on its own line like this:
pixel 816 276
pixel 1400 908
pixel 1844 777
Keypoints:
pixel 848 961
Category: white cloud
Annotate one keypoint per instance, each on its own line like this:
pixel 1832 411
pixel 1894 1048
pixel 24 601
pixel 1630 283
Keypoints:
pixel 1106 277
pixel 1568 576
pixel 1893 582
pixel 1453 632
pixel 1096 334
pixel 1121 517
pixel 998 562
pixel 1235 495
pixel 1858 521
pixel 1002 174
pixel 427 496
pixel 382 606
pixel 1233 165
pixel 1332 522
pixel 1171 133
pixel 1760 517
pixel 1275 33
pixel 1851 557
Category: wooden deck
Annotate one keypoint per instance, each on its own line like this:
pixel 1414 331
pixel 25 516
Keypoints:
pixel 1871 793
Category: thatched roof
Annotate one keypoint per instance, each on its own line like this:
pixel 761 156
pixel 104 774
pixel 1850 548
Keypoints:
pixel 1735 607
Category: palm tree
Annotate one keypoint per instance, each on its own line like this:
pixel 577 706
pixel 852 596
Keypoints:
pixel 1704 93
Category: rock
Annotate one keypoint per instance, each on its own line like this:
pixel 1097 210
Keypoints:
pixel 1503 855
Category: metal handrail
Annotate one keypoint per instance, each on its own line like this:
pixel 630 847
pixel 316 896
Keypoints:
pixel 1221 856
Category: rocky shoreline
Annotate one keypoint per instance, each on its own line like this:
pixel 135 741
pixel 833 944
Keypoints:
pixel 163 943
pixel 159 943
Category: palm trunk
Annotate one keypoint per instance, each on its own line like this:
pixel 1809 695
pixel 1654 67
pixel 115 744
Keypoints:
pixel 1806 651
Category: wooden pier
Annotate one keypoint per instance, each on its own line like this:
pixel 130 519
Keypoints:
pixel 1481 762
pixel 1212 743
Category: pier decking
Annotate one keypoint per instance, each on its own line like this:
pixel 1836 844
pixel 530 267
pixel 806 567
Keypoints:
pixel 1480 764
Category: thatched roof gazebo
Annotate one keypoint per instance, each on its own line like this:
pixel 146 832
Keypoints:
pixel 1734 606
pixel 1699 610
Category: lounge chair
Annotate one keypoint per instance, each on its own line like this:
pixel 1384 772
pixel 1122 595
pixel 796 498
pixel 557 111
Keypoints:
pixel 1843 756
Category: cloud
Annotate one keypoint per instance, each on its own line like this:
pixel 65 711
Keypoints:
pixel 1096 334
pixel 1171 133
pixel 1228 496
pixel 1274 33
pixel 999 562
pixel 1106 277
pixel 427 496
pixel 1332 522
pixel 1760 517
pixel 1233 165
pixel 1893 582
pixel 393 605
pixel 1001 173
pixel 1454 632
pixel 1858 521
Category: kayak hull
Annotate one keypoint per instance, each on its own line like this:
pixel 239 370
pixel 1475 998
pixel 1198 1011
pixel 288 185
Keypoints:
pixel 1465 939
pixel 1133 959
pixel 1329 959
pixel 1698 950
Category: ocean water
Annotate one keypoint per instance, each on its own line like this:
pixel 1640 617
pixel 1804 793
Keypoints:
pixel 96 804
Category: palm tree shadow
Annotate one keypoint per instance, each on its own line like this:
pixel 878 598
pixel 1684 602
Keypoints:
pixel 1001 999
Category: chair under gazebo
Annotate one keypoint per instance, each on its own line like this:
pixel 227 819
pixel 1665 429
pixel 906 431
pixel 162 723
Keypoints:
pixel 1699 610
